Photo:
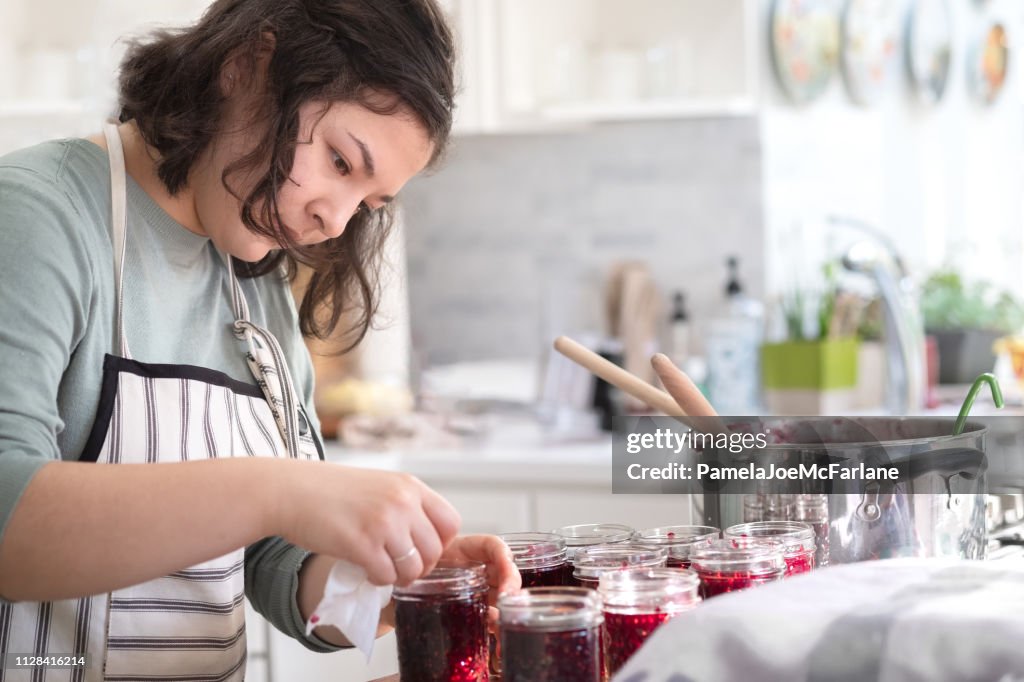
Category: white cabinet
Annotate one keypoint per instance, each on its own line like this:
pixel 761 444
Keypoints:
pixel 58 61
pixel 538 63
pixel 290 662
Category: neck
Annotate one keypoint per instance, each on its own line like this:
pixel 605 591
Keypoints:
pixel 140 162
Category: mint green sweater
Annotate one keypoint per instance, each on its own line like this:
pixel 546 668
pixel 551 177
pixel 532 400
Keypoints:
pixel 57 322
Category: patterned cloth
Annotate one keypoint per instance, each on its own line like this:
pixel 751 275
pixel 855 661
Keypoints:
pixel 901 619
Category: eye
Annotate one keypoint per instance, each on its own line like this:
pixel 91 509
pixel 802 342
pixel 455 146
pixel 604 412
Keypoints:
pixel 340 163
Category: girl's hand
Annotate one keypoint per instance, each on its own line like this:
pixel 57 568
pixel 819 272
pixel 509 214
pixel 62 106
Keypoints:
pixel 502 574
pixel 391 524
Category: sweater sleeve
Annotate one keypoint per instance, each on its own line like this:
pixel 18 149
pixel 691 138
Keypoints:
pixel 45 302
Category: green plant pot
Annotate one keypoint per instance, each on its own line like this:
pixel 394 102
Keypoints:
pixel 964 353
pixel 816 365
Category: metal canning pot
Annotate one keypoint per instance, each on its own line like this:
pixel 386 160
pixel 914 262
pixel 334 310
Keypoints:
pixel 934 507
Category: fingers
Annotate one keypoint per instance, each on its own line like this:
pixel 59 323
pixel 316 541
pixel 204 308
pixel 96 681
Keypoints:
pixel 502 574
pixel 379 567
pixel 428 542
pixel 407 562
pixel 445 520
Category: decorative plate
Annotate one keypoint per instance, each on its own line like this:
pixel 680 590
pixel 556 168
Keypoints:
pixel 929 48
pixel 804 43
pixel 870 50
pixel 989 63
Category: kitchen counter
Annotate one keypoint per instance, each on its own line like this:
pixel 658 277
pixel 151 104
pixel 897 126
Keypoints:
pixel 585 464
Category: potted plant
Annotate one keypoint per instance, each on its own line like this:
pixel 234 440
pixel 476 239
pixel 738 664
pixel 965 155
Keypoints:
pixel 815 369
pixel 966 319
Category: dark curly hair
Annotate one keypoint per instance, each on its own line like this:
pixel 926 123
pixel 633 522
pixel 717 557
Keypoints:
pixel 322 51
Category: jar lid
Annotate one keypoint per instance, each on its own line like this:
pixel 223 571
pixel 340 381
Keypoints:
pixel 535 550
pixel 658 586
pixel 585 534
pixel 448 578
pixel 551 609
pixel 754 558
pixel 795 535
pixel 591 562
pixel 679 540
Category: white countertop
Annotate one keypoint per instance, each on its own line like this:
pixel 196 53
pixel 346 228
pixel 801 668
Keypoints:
pixel 581 463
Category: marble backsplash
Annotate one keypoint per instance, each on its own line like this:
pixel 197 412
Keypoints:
pixel 510 241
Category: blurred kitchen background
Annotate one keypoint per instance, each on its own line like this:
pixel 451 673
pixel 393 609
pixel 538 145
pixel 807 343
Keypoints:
pixel 813 206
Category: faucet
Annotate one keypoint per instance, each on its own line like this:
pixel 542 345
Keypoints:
pixel 904 330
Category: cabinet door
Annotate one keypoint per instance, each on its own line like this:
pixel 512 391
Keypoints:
pixel 488 511
pixel 472 21
pixel 290 661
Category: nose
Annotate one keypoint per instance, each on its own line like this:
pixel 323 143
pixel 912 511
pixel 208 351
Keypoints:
pixel 332 216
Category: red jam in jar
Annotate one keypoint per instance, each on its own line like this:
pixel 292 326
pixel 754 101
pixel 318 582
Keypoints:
pixel 680 541
pixel 636 602
pixel 540 558
pixel 441 625
pixel 797 538
pixel 550 634
pixel 591 563
pixel 724 567
pixel 590 534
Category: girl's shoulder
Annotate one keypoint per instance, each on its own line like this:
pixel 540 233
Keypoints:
pixel 56 163
pixel 61 176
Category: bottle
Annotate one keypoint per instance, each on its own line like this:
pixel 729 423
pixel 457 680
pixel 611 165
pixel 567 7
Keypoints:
pixel 679 331
pixel 733 350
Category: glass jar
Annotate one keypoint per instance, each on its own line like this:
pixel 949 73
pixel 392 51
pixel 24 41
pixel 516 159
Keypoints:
pixel 550 634
pixel 753 508
pixel 725 568
pixel 590 534
pixel 813 510
pixel 679 541
pixel 779 507
pixel 441 625
pixel 797 538
pixel 540 558
pixel 636 602
pixel 592 562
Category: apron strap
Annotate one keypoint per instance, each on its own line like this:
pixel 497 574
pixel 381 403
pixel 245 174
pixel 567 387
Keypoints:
pixel 119 226
pixel 268 364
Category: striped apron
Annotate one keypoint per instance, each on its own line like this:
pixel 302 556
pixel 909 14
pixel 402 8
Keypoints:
pixel 189 625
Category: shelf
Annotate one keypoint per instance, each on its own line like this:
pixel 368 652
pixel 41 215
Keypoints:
pixel 650 109
pixel 36 109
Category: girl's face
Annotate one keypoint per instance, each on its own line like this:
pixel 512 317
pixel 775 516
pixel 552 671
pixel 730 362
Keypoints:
pixel 347 159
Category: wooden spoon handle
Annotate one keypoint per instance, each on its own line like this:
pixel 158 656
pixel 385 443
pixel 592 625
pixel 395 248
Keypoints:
pixel 682 388
pixel 616 376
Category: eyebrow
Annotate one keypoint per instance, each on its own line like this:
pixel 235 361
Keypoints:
pixel 368 164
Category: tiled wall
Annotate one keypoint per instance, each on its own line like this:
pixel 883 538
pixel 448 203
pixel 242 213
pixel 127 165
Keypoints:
pixel 510 241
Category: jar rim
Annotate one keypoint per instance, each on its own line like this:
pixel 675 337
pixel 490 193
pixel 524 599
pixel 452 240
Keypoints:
pixel 448 578
pixel 583 534
pixel 646 582
pixel 766 557
pixel 680 541
pixel 550 609
pixel 795 535
pixel 591 562
pixel 535 549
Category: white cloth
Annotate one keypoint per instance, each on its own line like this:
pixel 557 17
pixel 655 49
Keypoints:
pixel 352 604
pixel 900 619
